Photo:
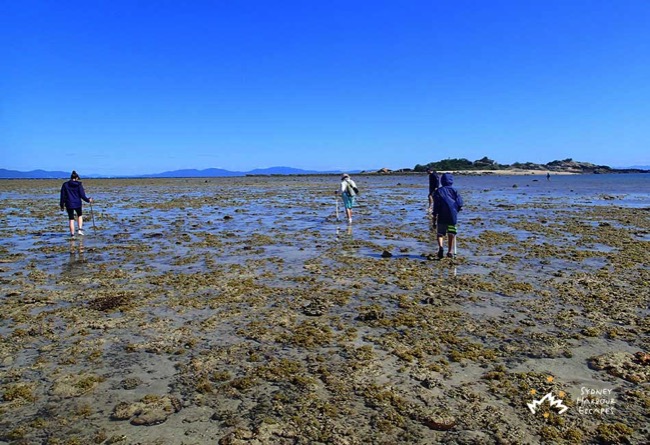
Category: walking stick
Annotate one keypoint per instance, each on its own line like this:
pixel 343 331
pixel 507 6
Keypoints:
pixel 337 208
pixel 92 215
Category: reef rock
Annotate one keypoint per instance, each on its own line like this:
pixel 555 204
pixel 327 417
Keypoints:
pixel 151 410
pixel 631 367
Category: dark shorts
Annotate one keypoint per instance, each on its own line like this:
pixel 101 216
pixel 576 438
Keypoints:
pixel 432 191
pixel 444 229
pixel 71 212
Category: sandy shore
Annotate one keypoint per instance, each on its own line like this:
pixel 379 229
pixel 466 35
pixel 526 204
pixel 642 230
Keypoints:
pixel 511 172
pixel 240 311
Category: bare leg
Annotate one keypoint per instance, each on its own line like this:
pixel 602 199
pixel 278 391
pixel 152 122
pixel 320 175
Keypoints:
pixel 450 246
pixel 348 213
pixel 80 222
pixel 71 227
pixel 430 203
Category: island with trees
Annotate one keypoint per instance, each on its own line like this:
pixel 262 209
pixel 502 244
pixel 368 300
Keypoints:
pixel 486 165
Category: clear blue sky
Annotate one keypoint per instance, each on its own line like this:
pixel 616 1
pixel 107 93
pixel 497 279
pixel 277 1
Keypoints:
pixel 128 87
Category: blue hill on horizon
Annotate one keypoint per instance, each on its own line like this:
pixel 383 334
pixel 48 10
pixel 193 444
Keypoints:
pixel 192 173
pixel 183 173
pixel 33 174
pixel 218 172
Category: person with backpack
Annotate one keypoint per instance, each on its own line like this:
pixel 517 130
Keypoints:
pixel 72 193
pixel 348 191
pixel 447 204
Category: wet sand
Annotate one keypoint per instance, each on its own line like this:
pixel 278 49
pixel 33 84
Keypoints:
pixel 240 311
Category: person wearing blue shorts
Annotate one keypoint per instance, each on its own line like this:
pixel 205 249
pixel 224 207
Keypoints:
pixel 348 191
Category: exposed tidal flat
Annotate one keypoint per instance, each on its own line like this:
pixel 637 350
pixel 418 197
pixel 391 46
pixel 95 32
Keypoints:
pixel 240 311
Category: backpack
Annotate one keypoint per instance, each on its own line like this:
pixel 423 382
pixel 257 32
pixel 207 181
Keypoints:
pixel 350 186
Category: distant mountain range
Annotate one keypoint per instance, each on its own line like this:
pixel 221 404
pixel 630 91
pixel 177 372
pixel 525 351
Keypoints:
pixel 567 165
pixel 213 172
pixel 186 173
pixel 36 174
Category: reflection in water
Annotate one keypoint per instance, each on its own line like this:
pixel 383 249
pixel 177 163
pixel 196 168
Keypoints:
pixel 344 238
pixel 76 260
pixel 77 247
pixel 344 235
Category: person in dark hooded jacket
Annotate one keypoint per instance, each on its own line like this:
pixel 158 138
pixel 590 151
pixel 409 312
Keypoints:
pixel 72 193
pixel 447 204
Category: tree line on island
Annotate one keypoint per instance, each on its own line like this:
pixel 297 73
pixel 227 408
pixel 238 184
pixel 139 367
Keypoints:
pixel 485 163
